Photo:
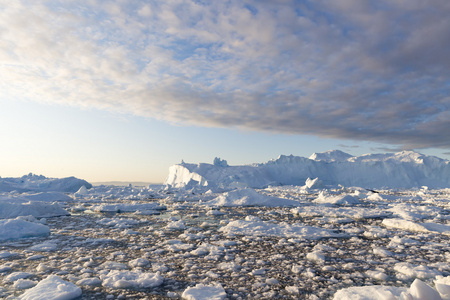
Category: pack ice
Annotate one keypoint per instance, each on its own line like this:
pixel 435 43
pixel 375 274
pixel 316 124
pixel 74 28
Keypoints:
pixel 331 226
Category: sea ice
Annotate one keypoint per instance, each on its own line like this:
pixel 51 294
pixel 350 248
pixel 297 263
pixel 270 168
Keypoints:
pixel 52 288
pixel 342 199
pixel 415 271
pixel 376 292
pixel 417 227
pixel 248 197
pixel 14 206
pixel 213 291
pixel 16 276
pixel 131 279
pixel 251 227
pixel 45 246
pixel 443 286
pixel 11 229
pixel 127 207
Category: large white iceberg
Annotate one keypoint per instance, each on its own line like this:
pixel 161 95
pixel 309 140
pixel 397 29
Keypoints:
pixel 406 169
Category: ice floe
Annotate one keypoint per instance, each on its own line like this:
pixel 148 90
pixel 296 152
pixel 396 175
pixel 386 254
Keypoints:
pixel 205 292
pixel 52 288
pixel 11 207
pixel 131 279
pixel 248 197
pixel 11 229
pixel 253 226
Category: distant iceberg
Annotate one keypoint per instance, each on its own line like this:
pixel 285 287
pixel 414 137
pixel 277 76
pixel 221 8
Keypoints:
pixel 406 169
pixel 40 183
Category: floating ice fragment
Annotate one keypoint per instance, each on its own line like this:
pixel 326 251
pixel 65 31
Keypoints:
pixel 316 256
pixel 443 286
pixel 212 291
pixel 11 229
pixel 376 274
pixel 415 271
pixel 16 276
pixel 255 227
pixel 375 292
pixel 342 199
pixel 138 262
pixel 23 284
pixel 420 290
pixel 52 288
pixel 46 246
pixel 130 280
pixel 176 225
pixel 248 197
pixel 272 281
pixel 292 290
pixel 382 252
pixel 417 227
pixel 91 281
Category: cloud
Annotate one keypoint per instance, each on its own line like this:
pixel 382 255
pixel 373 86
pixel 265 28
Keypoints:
pixel 375 71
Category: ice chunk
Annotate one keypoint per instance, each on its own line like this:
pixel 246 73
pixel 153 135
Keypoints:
pixel 52 288
pixel 375 292
pixel 443 286
pixel 130 280
pixel 127 207
pixel 420 290
pixel 249 197
pixel 342 199
pixel 16 276
pixel 415 271
pixel 11 207
pixel 263 228
pixel 201 291
pixel 313 183
pixel 92 281
pixel 23 284
pixel 417 227
pixel 16 229
pixel 46 246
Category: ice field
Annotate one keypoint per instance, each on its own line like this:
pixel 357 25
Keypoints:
pixel 203 236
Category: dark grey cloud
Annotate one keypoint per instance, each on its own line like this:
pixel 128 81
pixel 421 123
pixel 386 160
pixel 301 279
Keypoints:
pixel 362 70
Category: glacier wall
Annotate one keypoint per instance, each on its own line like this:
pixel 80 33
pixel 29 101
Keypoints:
pixel 406 169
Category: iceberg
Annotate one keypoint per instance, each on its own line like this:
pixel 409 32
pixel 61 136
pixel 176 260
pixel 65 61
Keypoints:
pixel 402 170
pixel 40 183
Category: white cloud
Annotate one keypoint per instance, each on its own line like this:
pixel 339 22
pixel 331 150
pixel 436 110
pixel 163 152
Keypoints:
pixel 346 69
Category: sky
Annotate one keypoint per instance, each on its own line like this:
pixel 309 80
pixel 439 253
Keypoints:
pixel 121 90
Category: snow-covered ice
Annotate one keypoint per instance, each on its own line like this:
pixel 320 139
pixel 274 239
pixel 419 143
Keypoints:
pixel 204 292
pixel 253 226
pixel 391 170
pixel 248 197
pixel 238 235
pixel 52 288
pixel 131 279
pixel 11 229
pixel 14 206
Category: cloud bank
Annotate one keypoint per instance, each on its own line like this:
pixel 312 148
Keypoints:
pixel 361 70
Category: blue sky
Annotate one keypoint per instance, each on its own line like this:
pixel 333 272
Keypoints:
pixel 108 90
